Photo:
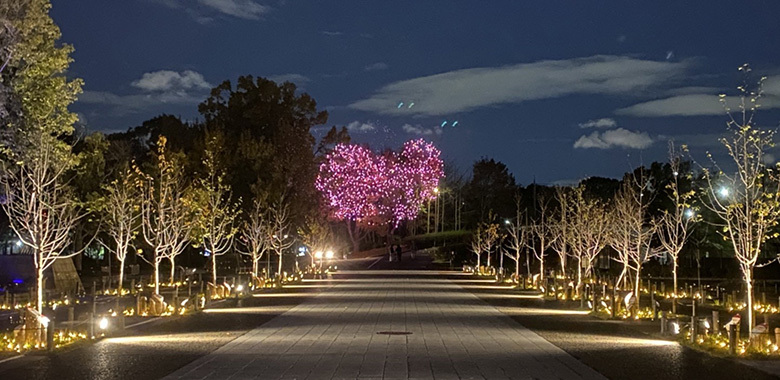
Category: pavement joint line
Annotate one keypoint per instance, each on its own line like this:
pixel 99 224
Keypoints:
pixel 375 262
pixel 141 323
pixel 12 358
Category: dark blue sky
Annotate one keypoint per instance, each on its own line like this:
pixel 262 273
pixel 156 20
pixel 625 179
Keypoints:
pixel 558 90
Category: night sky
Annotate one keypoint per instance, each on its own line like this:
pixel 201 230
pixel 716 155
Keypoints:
pixel 557 90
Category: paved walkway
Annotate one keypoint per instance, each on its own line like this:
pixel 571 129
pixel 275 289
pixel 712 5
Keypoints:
pixel 439 330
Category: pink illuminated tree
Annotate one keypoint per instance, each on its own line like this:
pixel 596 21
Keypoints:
pixel 366 189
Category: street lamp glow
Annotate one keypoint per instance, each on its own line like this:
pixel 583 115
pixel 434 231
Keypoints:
pixel 689 213
pixel 103 324
pixel 18 243
pixel 329 254
pixel 506 222
pixel 723 191
pixel 436 190
pixel 318 254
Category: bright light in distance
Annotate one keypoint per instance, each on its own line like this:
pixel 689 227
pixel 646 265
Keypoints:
pixel 318 254
pixel 329 255
pixel 689 213
pixel 18 243
pixel 675 328
pixel 506 221
pixel 240 288
pixel 723 191
pixel 103 324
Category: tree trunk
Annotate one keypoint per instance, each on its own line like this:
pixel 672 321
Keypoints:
pixel 674 289
pixel 255 265
pixel 121 276
pixel 354 236
pixel 579 276
pixel 213 268
pixel 173 269
pixel 563 266
pixel 39 289
pixel 637 290
pixel 749 296
pixel 280 262
pixel 156 276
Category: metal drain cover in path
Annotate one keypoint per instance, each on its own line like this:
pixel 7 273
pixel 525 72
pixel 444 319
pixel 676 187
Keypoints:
pixel 394 333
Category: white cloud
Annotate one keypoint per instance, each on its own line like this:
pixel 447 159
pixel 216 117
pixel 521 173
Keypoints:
pixel 599 123
pixel 246 9
pixel 705 102
pixel 682 105
pixel 331 33
pixel 772 86
pixel 293 78
pixel 166 80
pixel 376 66
pixel 422 131
pixel 127 104
pixel 614 138
pixel 468 89
pixel 162 87
pixel 358 127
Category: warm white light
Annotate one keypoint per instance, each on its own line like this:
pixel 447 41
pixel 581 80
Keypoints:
pixel 103 324
pixel 329 255
pixel 318 254
pixel 675 328
pixel 240 288
pixel 506 221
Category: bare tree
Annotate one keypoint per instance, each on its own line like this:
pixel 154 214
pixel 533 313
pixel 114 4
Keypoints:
pixel 675 225
pixel 166 218
pixel 590 232
pixel 122 218
pixel 543 233
pixel 317 234
pixel 477 245
pixel 562 229
pixel 632 234
pixel 217 212
pixel 748 201
pixel 279 238
pixel 491 238
pixel 254 236
pixel 40 207
pixel 516 237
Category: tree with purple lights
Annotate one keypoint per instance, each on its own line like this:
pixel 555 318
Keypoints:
pixel 363 188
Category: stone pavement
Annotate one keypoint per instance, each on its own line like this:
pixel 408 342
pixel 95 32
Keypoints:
pixel 398 326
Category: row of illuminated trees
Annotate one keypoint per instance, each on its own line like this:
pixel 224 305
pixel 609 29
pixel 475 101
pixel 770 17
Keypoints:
pixel 742 199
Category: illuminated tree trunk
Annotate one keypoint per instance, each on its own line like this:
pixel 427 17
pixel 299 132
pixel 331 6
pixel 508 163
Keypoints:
pixel 156 277
pixel 214 269
pixel 121 276
pixel 674 290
